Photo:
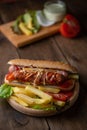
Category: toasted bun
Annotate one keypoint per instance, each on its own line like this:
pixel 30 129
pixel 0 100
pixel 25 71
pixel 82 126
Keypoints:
pixel 43 64
pixel 15 83
pixel 38 113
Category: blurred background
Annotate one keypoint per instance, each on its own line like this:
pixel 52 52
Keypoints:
pixel 76 7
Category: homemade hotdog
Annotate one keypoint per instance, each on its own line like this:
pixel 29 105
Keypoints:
pixel 41 88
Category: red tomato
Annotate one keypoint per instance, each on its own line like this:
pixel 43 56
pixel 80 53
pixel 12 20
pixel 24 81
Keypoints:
pixel 70 26
pixel 62 96
pixel 68 84
pixel 10 77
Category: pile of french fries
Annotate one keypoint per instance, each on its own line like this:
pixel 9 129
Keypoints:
pixel 30 96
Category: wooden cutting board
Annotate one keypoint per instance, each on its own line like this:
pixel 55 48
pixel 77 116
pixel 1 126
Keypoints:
pixel 22 40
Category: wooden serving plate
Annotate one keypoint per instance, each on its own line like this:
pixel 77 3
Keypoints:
pixel 22 40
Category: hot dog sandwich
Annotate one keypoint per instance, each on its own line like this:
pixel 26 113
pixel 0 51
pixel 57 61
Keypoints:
pixel 41 88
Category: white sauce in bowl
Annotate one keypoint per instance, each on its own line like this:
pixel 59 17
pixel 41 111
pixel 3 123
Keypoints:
pixel 54 11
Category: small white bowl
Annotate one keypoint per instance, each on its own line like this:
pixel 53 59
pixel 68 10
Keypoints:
pixel 54 11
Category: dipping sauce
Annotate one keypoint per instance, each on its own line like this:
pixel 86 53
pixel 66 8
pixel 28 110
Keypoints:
pixel 54 11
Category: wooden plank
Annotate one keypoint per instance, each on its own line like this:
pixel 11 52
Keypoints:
pixel 5 55
pixel 9 118
pixel 45 49
pixel 74 51
pixel 73 119
pixel 20 121
pixel 21 40
pixel 75 115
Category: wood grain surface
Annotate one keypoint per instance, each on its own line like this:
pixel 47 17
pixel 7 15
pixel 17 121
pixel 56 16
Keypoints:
pixel 56 47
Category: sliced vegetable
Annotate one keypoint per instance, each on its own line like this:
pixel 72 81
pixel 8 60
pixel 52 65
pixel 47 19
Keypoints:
pixel 24 29
pixel 68 84
pixel 74 76
pixel 62 96
pixel 5 91
pixel 15 26
pixel 34 20
pixel 26 24
pixel 60 103
pixel 28 21
pixel 12 68
pixel 27 17
pixel 10 76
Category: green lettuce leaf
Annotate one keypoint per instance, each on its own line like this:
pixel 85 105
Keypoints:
pixel 5 91
pixel 39 107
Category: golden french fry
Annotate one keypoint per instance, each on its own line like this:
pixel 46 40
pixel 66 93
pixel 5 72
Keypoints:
pixel 23 91
pixel 25 98
pixel 30 96
pixel 39 93
pixel 49 89
pixel 19 101
pixel 31 101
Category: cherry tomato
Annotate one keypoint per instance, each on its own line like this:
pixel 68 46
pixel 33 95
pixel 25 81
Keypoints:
pixel 70 26
pixel 62 96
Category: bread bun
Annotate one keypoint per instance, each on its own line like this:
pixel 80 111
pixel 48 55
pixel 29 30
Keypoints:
pixel 43 64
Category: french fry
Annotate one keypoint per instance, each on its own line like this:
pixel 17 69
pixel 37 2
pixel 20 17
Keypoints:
pixel 49 89
pixel 25 98
pixel 31 101
pixel 19 101
pixel 28 96
pixel 39 93
pixel 20 90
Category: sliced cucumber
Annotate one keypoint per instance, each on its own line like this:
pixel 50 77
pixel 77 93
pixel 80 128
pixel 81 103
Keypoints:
pixel 27 17
pixel 74 76
pixel 34 20
pixel 15 26
pixel 26 24
pixel 60 103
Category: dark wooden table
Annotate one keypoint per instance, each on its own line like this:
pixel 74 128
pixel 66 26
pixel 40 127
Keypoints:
pixel 73 51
